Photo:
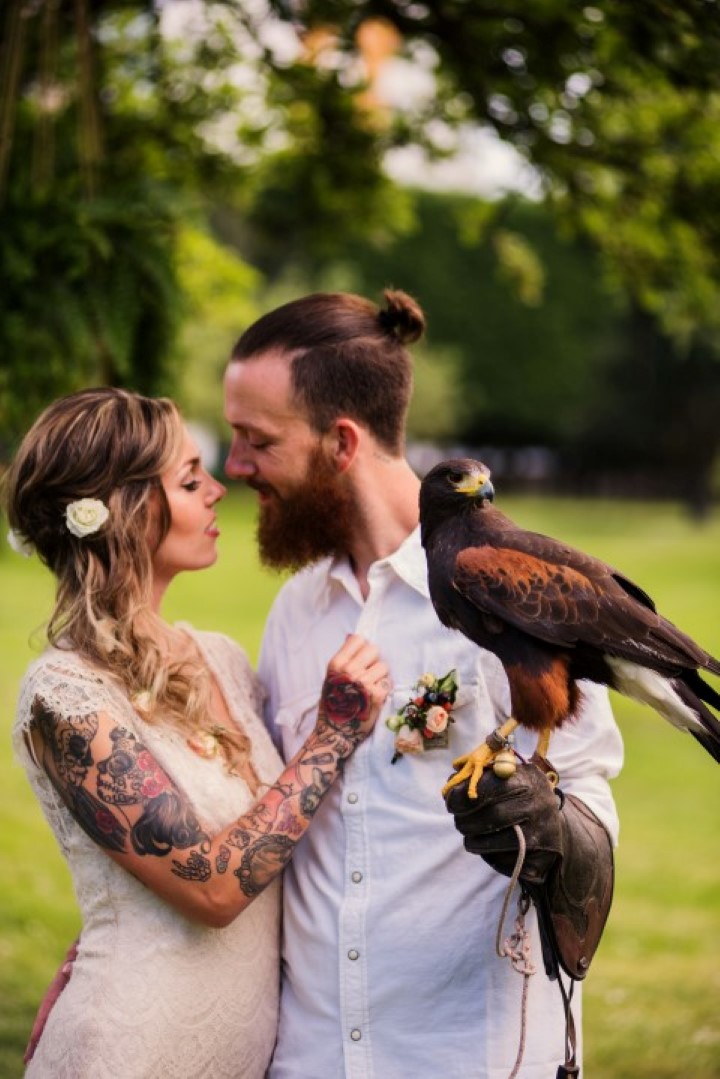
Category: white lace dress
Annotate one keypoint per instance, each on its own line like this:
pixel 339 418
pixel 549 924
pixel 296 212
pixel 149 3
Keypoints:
pixel 153 994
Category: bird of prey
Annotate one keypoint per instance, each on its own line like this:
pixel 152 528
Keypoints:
pixel 552 615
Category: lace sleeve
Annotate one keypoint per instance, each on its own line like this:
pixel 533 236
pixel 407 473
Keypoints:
pixel 68 687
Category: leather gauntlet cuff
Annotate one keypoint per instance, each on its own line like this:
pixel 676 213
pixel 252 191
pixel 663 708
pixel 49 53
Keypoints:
pixel 568 864
pixel 573 903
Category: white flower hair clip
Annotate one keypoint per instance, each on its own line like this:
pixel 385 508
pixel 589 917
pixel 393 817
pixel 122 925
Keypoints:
pixel 86 516
pixel 20 544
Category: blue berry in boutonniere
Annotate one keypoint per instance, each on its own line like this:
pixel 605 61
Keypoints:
pixel 423 722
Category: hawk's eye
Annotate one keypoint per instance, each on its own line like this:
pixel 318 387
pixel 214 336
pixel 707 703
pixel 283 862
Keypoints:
pixel 456 477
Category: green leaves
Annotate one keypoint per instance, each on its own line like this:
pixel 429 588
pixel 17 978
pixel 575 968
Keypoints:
pixel 89 296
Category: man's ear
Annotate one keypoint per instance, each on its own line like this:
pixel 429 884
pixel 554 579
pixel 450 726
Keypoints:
pixel 344 437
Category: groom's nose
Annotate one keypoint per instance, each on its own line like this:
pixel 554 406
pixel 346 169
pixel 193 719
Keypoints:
pixel 239 464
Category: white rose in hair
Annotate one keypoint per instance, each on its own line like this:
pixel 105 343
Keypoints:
pixel 19 543
pixel 86 516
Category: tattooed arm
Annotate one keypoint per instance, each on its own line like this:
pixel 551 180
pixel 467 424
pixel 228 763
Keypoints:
pixel 129 806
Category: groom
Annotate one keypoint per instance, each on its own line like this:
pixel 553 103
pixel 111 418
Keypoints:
pixel 389 928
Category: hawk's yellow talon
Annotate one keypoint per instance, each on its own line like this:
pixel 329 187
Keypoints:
pixel 470 767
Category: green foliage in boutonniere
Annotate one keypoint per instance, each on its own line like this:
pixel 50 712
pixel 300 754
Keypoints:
pixel 423 722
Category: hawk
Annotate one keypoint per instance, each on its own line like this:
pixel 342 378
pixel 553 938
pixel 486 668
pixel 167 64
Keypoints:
pixel 552 615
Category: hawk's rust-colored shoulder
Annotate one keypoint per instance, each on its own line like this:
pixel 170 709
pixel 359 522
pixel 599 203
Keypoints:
pixel 524 589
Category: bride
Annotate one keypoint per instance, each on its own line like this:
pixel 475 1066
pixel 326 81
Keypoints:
pixel 144 745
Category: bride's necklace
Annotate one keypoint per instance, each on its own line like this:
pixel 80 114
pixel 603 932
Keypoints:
pixel 205 741
pixel 215 741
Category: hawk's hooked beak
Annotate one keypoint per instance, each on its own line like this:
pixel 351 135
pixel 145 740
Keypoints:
pixel 475 485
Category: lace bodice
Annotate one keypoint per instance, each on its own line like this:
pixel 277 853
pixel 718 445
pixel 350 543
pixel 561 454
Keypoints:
pixel 151 992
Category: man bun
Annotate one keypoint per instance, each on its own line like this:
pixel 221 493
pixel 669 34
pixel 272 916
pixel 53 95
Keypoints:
pixel 402 317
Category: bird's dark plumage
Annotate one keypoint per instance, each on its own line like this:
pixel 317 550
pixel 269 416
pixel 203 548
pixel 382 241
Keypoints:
pixel 553 614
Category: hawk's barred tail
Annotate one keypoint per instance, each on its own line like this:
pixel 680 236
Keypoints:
pixel 693 691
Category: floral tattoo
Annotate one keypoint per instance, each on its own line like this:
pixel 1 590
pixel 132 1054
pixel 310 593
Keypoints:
pixel 126 802
pixel 344 704
pixel 128 777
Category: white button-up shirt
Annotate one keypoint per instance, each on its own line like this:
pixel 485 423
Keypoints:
pixel 389 955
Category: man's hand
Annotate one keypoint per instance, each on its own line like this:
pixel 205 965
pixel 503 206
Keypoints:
pixel 486 822
pixel 568 864
pixel 53 991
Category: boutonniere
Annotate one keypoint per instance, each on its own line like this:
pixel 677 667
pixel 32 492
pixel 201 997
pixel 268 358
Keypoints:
pixel 423 722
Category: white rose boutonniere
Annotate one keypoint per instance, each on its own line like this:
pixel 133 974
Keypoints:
pixel 437 719
pixel 408 740
pixel 86 516
pixel 422 723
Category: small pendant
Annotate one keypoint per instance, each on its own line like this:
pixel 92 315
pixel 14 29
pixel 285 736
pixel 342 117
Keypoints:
pixel 141 701
pixel 204 744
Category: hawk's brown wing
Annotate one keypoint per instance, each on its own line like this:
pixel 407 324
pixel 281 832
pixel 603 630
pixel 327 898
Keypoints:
pixel 568 606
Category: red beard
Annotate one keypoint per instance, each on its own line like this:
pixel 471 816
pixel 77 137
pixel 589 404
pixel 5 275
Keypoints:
pixel 313 521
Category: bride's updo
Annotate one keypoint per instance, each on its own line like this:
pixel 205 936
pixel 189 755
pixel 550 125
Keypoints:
pixel 85 492
pixel 107 445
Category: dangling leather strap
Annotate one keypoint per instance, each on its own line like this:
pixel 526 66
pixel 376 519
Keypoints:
pixel 570 1069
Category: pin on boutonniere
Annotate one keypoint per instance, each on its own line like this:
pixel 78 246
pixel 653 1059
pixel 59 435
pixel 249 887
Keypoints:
pixel 423 722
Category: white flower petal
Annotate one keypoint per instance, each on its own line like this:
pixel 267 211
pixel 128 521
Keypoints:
pixel 20 544
pixel 86 516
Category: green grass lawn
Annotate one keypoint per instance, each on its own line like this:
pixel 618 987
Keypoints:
pixel 651 998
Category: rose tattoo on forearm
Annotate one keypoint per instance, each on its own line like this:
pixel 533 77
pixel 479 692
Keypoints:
pixel 344 704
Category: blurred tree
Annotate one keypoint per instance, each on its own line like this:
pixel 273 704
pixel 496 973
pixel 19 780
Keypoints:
pixel 219 291
pixel 326 185
pixel 524 373
pixel 113 129
pixel 653 423
pixel 578 370
pixel 107 142
pixel 617 109
pixel 616 106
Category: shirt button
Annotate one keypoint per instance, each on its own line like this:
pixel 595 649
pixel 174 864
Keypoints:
pixel 352 798
pixel 356 877
pixel 353 954
pixel 356 1035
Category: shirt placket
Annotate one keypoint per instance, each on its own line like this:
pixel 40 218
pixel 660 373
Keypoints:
pixel 353 957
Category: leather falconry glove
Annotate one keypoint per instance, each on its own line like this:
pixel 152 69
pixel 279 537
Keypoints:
pixel 568 865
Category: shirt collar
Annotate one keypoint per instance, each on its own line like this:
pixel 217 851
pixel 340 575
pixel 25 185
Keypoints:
pixel 407 562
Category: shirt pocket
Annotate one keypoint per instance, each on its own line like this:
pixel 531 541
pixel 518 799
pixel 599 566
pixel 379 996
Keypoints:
pixel 295 720
pixel 419 777
pixel 466 696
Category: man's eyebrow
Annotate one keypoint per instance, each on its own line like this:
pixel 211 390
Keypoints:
pixel 248 429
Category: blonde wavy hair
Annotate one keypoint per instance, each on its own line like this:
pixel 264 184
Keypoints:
pixel 113 445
